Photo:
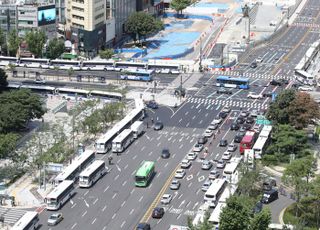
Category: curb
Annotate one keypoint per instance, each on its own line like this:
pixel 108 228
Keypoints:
pixel 281 216
pixel 272 171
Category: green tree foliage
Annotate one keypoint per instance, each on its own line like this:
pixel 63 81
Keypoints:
pixel 55 48
pixel 141 24
pixel 261 220
pixel 246 186
pixel 302 110
pixel 179 5
pixel 3 79
pixel 18 108
pixel 7 144
pixel 92 123
pixel 2 39
pixel 36 41
pixel 106 54
pixel 286 140
pixel 111 112
pixel 13 42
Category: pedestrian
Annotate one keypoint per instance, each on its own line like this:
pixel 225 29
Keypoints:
pixel 219 131
pixel 147 125
pixel 206 149
pixel 110 160
pixel 152 120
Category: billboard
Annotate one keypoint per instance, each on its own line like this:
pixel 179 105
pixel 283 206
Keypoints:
pixel 46 15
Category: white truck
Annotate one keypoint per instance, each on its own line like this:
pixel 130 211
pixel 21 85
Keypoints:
pixel 137 128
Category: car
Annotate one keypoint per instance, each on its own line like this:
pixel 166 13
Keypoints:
pixel 206 185
pixel 191 156
pixel 223 142
pixel 202 140
pixel 254 113
pixel 55 219
pixel 234 126
pixel 269 183
pixel 175 185
pixel 257 128
pixel 206 165
pixel 223 115
pixel 238 137
pixel 165 154
pixel 223 90
pixel 305 88
pixel 185 163
pixel 166 199
pixel 267 94
pixel 253 65
pixel 275 82
pixel 269 196
pixel 226 156
pixel 244 114
pixel 197 147
pixel 217 120
pixel 249 120
pixel 232 148
pixel 40 81
pixel 242 129
pixel 226 109
pixel 208 133
pixel 152 105
pixel 246 126
pixel 158 125
pixel 143 226
pixel 221 164
pixel 214 174
pixel 284 81
pixel 180 173
pixel 259 59
pixel 213 126
pixel 253 95
pixel 157 212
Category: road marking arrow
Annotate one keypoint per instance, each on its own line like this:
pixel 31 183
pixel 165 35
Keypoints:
pixel 201 178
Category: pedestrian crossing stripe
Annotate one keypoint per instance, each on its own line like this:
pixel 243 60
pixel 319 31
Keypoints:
pixel 304 24
pixel 222 102
pixel 251 75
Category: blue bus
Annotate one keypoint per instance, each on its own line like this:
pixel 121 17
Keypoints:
pixel 232 82
pixel 137 74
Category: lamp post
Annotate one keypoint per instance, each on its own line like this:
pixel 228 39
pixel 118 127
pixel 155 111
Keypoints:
pixel 245 12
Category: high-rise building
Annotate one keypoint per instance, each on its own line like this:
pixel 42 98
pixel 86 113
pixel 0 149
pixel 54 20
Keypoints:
pixel 8 17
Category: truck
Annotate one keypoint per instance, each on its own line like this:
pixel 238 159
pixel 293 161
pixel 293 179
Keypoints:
pixel 137 128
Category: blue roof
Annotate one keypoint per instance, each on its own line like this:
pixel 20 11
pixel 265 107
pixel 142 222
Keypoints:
pixel 233 78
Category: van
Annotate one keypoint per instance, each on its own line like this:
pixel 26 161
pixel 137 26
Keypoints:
pixel 270 196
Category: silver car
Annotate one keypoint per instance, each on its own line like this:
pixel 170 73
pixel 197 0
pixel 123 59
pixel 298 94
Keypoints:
pixel 206 185
pixel 55 219
pixel 175 185
pixel 206 165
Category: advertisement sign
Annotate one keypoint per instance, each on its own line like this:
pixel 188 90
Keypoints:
pixel 46 15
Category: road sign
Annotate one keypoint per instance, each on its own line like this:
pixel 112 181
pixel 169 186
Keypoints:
pixel 262 120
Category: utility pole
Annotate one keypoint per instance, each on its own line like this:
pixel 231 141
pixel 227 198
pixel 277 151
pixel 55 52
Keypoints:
pixel 245 12
pixel 200 59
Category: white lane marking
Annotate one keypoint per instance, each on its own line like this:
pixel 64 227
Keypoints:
pixel 86 203
pixel 166 164
pixel 189 185
pixel 159 144
pixel 180 196
pixel 114 215
pixel 182 202
pixel 106 188
pixel 124 183
pixel 86 193
pixel 117 176
pixel 187 125
pixel 140 198
pixel 178 110
pixel 95 201
pixel 123 223
pixel 132 191
pixel 73 226
pixel 118 161
pixel 134 157
pixel 180 120
pixel 150 153
pixel 133 172
pixel 173 155
pixel 158 174
pixel 104 228
pixel 125 167
pixel 84 213
pixel 132 210
pixel 114 195
pixel 119 169
pixel 73 205
pixel 104 208
pixel 123 203
pixel 143 148
pixel 159 221
pixel 94 221
pixel 180 147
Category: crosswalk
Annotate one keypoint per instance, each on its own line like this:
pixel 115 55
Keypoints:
pixel 251 75
pixel 304 24
pixel 11 215
pixel 223 102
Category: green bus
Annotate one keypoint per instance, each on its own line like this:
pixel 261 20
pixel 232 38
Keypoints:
pixel 144 174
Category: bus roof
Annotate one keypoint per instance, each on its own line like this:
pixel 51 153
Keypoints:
pixel 260 142
pixel 248 137
pixel 14 85
pixel 122 135
pixel 99 62
pixel 227 193
pixel 84 156
pixel 104 93
pixel 233 78
pixel 215 215
pixel 71 90
pixel 136 124
pixel 91 168
pixel 216 186
pixel 231 167
pixel 149 71
pixel 145 167
pixel 59 189
pixel 39 87
pixel 24 220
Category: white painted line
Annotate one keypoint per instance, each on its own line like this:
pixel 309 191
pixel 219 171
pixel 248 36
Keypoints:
pixel 114 215
pixel 94 221
pixel 117 176
pixel 187 125
pixel 143 148
pixel 104 208
pixel 125 167
pixel 166 164
pixel 180 120
pixel 134 157
pixel 180 196
pixel 73 205
pixel 132 210
pixel 106 188
pixel 123 203
pixel 86 193
pixel 180 147
pixel 177 110
pixel 189 185
pixel 132 191
pixel 95 201
pixel 123 223
pixel 173 155
pixel 159 221
pixel 158 174
pixel 150 153
pixel 140 198
pixel 119 161
pixel 73 226
pixel 133 172
pixel 114 195
pixel 182 202
pixel 104 228
pixel 84 213
pixel 124 183
pixel 159 144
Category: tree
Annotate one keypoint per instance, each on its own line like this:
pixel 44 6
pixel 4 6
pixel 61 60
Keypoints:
pixel 278 111
pixel 93 123
pixel 302 110
pixel 8 144
pixel 3 79
pixel 261 220
pixel 106 54
pixel 13 42
pixel 36 41
pixel 55 48
pixel 70 72
pixel 179 5
pixel 246 186
pixel 141 24
pixel 204 225
pixel 2 40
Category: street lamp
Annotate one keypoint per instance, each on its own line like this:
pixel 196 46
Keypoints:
pixel 245 12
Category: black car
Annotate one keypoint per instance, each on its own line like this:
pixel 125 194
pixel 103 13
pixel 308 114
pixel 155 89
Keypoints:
pixel 158 125
pixel 143 226
pixel 158 212
pixel 284 81
pixel 253 65
pixel 223 143
pixel 238 137
pixel 270 196
pixel 224 91
pixel 249 120
pixel 202 140
pixel 152 105
pixel 223 114
pixel 165 154
pixel 267 94
pixel 275 82
pixel 234 126
pixel 246 126
pixel 240 120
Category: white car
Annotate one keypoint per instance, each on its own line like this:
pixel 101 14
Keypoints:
pixel 191 156
pixel 180 173
pixel 214 174
pixel 185 163
pixel 208 133
pixel 175 71
pixel 217 120
pixel 158 71
pixel 305 88
pixel 197 147
pixel 259 59
pixel 226 156
pixel 206 185
pixel 40 81
pixel 221 164
pixel 226 109
pixel 166 199
pixel 254 96
pixel 231 148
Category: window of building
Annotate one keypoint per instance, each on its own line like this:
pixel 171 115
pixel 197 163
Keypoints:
pixel 99 16
pixel 78 1
pixel 77 8
pixel 78 17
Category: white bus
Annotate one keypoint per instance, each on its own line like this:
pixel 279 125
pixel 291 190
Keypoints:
pixel 60 195
pixel 72 171
pixel 230 172
pixel 29 221
pixel 262 141
pixel 304 77
pixel 215 215
pixel 122 141
pixel 92 173
pixel 214 192
pixel 104 144
pixel 137 128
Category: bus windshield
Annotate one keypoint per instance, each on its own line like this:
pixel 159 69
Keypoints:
pixel 140 178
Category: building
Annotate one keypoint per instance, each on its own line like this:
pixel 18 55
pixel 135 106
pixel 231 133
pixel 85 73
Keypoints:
pixel 8 17
pixel 86 23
